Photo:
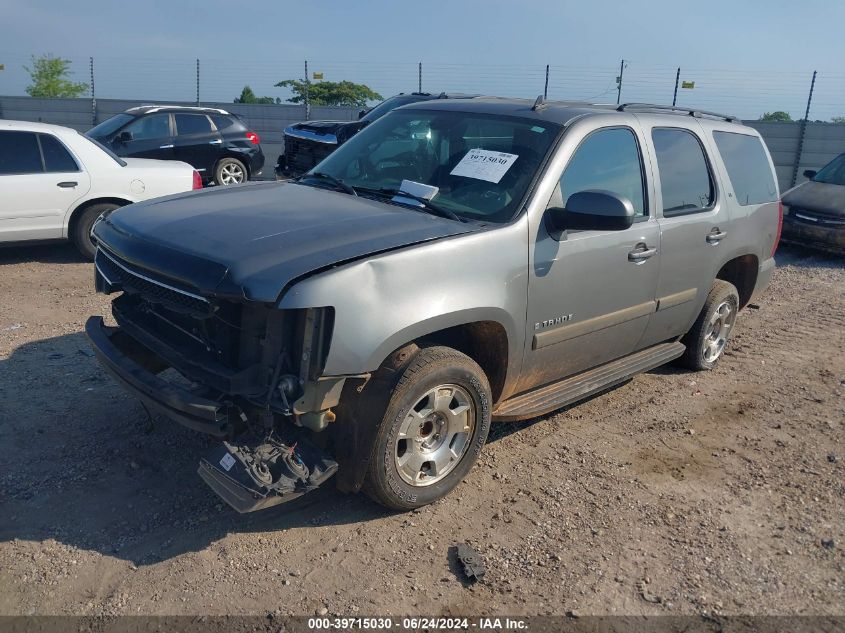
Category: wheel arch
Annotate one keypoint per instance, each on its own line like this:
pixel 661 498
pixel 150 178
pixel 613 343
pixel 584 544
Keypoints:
pixel 86 204
pixel 742 272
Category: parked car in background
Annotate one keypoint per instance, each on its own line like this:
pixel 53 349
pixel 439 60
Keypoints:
pixel 814 211
pixel 309 142
pixel 217 143
pixel 453 263
pixel 56 182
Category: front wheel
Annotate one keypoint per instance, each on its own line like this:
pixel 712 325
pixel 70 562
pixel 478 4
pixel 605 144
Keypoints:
pixel 709 335
pixel 230 171
pixel 432 432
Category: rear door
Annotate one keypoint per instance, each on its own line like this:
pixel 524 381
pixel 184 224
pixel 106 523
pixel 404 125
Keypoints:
pixel 197 142
pixel 39 182
pixel 694 222
pixel 150 136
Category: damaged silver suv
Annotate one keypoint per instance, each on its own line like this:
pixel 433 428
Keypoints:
pixel 455 263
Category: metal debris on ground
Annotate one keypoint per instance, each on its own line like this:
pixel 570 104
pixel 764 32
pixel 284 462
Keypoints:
pixel 471 561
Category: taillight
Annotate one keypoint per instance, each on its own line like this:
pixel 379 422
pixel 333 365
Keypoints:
pixel 197 180
pixel 780 226
pixel 252 137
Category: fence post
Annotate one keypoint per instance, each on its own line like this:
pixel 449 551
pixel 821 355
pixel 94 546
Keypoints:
pixel 546 87
pixel 677 78
pixel 619 82
pixel 93 94
pixel 307 95
pixel 802 132
pixel 419 77
pixel 198 81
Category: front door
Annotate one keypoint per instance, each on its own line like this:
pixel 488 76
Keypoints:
pixel 591 293
pixel 148 136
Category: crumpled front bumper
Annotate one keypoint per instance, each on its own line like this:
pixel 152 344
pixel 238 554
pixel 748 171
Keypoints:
pixel 135 367
pixel 825 238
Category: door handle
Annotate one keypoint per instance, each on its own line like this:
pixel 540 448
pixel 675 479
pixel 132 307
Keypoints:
pixel 166 146
pixel 217 142
pixel 641 253
pixel 715 236
pixel 67 184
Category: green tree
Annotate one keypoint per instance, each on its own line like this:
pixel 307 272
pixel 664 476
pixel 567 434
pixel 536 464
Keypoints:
pixel 332 93
pixel 837 119
pixel 779 116
pixel 49 78
pixel 248 96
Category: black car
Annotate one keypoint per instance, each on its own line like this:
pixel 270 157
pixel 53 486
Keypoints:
pixel 216 143
pixel 814 211
pixel 309 142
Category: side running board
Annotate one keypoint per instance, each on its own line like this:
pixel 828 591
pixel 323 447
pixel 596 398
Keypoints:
pixel 575 388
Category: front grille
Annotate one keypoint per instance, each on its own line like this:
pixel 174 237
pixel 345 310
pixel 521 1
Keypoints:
pixel 122 274
pixel 302 155
pixel 817 219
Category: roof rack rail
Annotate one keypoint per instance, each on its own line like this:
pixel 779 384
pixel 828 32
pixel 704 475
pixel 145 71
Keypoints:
pixel 690 111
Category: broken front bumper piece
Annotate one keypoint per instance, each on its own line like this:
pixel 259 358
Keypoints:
pixel 253 478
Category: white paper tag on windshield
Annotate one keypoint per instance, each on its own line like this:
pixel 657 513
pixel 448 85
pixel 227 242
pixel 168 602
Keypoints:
pixel 482 164
pixel 414 188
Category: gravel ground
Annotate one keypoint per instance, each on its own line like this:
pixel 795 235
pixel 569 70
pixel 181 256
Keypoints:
pixel 675 493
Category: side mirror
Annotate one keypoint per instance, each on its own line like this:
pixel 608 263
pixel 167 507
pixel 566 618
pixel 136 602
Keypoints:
pixel 124 137
pixel 810 173
pixel 591 210
pixel 361 113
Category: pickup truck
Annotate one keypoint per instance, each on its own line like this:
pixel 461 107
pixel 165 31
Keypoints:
pixel 457 262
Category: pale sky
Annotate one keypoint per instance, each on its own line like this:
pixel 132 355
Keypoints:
pixel 745 57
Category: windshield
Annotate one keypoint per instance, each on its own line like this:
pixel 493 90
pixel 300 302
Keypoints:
pixel 833 173
pixel 386 106
pixel 474 165
pixel 109 126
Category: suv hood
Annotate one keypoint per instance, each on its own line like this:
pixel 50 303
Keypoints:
pixel 821 197
pixel 253 241
pixel 333 131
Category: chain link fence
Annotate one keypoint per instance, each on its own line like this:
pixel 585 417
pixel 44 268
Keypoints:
pixel 814 101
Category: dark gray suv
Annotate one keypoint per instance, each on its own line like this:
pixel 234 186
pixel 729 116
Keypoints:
pixel 454 263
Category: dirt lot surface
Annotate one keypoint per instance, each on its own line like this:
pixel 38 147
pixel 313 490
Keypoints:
pixel 675 493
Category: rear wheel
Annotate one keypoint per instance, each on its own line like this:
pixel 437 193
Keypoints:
pixel 709 335
pixel 230 171
pixel 434 427
pixel 81 233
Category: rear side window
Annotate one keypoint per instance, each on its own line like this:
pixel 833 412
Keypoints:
pixel 19 153
pixel 748 168
pixel 223 122
pixel 56 156
pixel 684 176
pixel 607 159
pixel 192 124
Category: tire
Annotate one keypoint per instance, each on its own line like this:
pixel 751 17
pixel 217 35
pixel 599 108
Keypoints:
pixel 230 171
pixel 81 234
pixel 423 425
pixel 709 335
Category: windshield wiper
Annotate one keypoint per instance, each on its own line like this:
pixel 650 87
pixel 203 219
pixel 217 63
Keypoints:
pixel 337 182
pixel 427 204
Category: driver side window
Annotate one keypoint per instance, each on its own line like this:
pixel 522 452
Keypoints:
pixel 607 159
pixel 149 127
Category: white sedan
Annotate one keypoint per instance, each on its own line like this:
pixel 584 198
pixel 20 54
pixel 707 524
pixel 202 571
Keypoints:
pixel 55 183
